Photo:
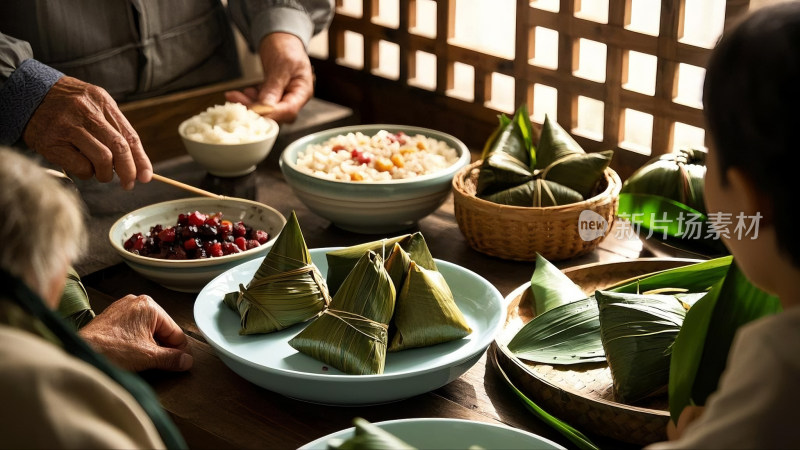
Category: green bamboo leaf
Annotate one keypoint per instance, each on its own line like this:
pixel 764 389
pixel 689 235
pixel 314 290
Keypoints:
pixel 550 287
pixel 662 215
pixel 397 265
pixel 487 147
pixel 74 304
pixel 426 312
pixel 352 334
pixel 697 277
pixel 368 436
pixel 286 289
pixel 637 332
pixel 342 261
pixel 501 171
pixel 566 334
pixel 701 348
pixel 581 173
pixel 554 144
pixel 536 193
pixel 678 176
pixel 575 436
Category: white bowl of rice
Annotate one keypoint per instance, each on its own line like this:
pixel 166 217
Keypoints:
pixel 228 140
pixel 373 178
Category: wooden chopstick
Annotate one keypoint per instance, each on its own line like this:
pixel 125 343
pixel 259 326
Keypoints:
pixel 187 187
pixel 260 108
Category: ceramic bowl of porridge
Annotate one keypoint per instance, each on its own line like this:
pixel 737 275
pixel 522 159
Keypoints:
pixel 376 178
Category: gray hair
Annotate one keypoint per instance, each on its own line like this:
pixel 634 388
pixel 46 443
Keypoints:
pixel 41 222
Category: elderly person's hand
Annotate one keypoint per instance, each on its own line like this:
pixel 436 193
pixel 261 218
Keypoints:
pixel 79 127
pixel 288 78
pixel 137 334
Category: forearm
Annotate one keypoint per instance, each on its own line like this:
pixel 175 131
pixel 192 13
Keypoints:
pixel 20 95
pixel 302 18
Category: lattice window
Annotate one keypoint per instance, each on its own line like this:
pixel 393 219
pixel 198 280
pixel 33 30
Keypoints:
pixel 620 74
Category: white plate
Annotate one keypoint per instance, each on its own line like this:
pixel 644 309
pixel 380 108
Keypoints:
pixel 268 361
pixel 450 434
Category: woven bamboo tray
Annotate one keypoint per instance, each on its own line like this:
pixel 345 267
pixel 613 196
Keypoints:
pixel 518 233
pixel 582 395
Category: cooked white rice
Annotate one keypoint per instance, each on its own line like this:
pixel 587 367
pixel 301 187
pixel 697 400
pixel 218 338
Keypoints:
pixel 382 157
pixel 231 123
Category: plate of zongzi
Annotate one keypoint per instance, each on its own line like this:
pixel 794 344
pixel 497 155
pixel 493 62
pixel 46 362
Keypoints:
pixel 268 359
pixel 430 433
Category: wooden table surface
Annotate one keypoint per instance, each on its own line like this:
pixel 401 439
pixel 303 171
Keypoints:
pixel 214 407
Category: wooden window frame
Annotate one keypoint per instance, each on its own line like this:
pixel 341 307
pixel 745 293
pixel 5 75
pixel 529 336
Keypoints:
pixel 380 100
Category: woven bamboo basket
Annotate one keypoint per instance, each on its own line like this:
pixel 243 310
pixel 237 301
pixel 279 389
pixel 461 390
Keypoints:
pixel 582 394
pixel 518 233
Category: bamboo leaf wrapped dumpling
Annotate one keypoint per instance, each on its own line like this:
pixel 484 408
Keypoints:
pixel 342 261
pixel 637 332
pixel 286 289
pixel 426 312
pixel 397 265
pixel 561 159
pixel 537 193
pixel 510 158
pixel 351 335
pixel 368 436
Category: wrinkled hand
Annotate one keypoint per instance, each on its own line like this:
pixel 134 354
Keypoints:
pixel 288 78
pixel 137 334
pixel 688 415
pixel 79 127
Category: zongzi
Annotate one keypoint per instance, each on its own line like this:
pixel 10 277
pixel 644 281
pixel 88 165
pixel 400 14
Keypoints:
pixel 286 289
pixel 426 312
pixel 351 334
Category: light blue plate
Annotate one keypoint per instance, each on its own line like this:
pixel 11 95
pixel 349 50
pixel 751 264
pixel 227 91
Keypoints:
pixel 449 434
pixel 268 361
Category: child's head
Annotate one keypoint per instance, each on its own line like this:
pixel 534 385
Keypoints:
pixel 752 107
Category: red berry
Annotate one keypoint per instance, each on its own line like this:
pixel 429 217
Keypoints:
pixel 225 227
pixel 261 236
pixel 229 248
pixel 131 240
pixel 167 235
pixel 138 244
pixel 252 243
pixel 241 242
pixel 215 249
pixel 183 219
pixel 191 244
pixel 239 229
pixel 197 218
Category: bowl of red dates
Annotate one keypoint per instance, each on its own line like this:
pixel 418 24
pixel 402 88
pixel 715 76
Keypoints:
pixel 183 244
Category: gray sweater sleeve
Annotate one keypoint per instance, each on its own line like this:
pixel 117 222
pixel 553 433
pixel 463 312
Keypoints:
pixel 302 18
pixel 24 82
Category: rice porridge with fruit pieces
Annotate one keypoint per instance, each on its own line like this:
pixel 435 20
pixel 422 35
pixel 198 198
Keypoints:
pixel 382 157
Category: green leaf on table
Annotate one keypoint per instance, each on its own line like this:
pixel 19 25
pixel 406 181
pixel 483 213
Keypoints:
pixel 575 436
pixel 662 215
pixel 566 334
pixel 696 277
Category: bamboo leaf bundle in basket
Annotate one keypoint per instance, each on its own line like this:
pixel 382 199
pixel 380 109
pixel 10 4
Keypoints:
pixel 514 203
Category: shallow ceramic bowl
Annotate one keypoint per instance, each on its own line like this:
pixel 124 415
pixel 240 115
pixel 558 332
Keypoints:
pixel 447 434
pixel 191 275
pixel 372 207
pixel 270 362
pixel 230 160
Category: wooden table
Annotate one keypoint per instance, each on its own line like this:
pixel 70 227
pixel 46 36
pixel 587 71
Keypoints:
pixel 214 407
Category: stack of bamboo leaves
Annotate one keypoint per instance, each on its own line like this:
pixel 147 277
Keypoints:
pixel 388 296
pixel 669 330
pixel 665 196
pixel 557 171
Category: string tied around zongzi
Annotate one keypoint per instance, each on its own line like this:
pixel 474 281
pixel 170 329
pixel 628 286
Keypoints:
pixel 349 318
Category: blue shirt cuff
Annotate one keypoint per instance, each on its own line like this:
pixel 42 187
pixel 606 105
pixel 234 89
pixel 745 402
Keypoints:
pixel 21 94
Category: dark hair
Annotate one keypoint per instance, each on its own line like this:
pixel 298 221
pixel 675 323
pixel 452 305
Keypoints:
pixel 751 100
